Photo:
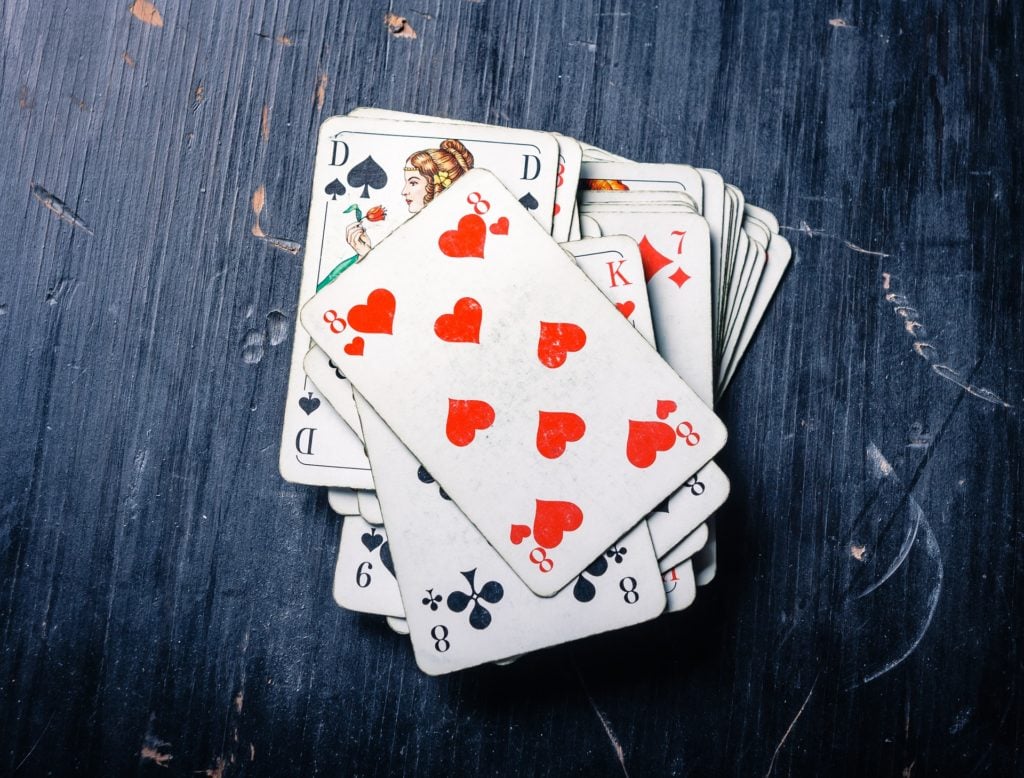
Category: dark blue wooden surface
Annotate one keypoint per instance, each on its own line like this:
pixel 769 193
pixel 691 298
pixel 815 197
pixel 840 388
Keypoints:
pixel 167 603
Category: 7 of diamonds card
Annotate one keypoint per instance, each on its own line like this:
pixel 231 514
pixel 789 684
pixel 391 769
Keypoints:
pixel 501 367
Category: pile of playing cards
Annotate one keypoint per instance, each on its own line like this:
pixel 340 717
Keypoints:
pixel 505 364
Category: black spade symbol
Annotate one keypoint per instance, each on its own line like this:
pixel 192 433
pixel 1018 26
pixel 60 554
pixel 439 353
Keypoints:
pixel 584 590
pixel 427 478
pixel 528 201
pixel 368 175
pixel 371 540
pixel 334 189
pixel 385 558
pixel 309 403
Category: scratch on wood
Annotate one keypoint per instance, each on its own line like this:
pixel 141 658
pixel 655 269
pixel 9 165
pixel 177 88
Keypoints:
pixel 25 101
pixel 932 549
pixel 811 232
pixel 265 123
pixel 198 96
pixel 154 750
pixel 882 466
pixel 321 92
pixel 147 13
pixel 785 735
pixel 53 203
pixel 839 23
pixel 36 744
pixel 399 26
pixel 129 60
pixel 619 753
pixel 857 552
pixel 217 771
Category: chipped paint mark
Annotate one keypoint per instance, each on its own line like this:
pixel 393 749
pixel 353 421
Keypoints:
pixel 239 699
pixel 79 103
pixel 252 752
pixel 259 199
pixel 909 769
pixel 857 552
pixel 917 437
pixel 217 771
pixel 321 92
pixel 25 101
pixel 932 549
pixel 252 347
pixel 399 26
pixel 284 39
pixel 961 721
pixel 53 203
pixel 928 352
pixel 839 23
pixel 147 13
pixel 56 292
pixel 3 309
pixel 129 60
pixel 277 328
pixel 198 96
pixel 155 750
pixel 265 123
pixel 785 735
pixel 882 466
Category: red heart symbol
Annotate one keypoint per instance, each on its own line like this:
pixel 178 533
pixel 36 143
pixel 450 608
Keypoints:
pixel 552 518
pixel 518 533
pixel 646 439
pixel 664 408
pixel 555 429
pixel 465 417
pixel 626 308
pixel 377 315
pixel 463 324
pixel 500 227
pixel 557 340
pixel 467 240
pixel 355 348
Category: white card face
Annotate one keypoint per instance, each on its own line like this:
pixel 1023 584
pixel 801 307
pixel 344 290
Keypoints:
pixel 680 587
pixel 369 508
pixel 496 361
pixel 779 255
pixel 570 157
pixel 592 153
pixel 398 626
pixel 463 603
pixel 691 544
pixel 613 264
pixel 705 561
pixel 643 175
pixel 343 501
pixel 589 228
pixel 702 494
pixel 675 250
pixel 364 578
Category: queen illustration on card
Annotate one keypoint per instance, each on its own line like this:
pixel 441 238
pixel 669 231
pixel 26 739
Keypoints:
pixel 427 173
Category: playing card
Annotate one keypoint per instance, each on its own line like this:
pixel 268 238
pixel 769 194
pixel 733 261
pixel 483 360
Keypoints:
pixel 613 264
pixel 494 359
pixel 463 604
pixel 705 561
pixel 691 544
pixel 680 587
pixel 675 251
pixel 691 505
pixel 398 626
pixel 369 508
pixel 642 175
pixel 343 501
pixel 364 578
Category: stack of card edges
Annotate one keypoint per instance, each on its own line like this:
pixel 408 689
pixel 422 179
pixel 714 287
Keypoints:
pixel 507 354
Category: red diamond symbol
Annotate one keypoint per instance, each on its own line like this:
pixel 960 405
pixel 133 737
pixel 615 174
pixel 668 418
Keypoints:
pixel 679 277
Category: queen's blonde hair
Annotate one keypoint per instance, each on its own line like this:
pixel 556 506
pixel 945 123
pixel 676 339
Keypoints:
pixel 440 167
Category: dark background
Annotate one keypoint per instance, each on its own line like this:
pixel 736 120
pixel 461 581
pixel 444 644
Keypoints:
pixel 167 606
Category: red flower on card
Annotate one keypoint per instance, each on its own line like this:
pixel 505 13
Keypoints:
pixel 376 214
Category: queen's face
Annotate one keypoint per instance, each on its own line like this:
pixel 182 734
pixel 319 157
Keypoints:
pixel 414 190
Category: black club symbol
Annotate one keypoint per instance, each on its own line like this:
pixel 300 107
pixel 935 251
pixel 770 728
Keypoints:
pixel 337 370
pixel 616 553
pixel 432 600
pixel 479 617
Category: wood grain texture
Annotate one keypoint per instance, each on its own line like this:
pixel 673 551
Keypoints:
pixel 167 606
